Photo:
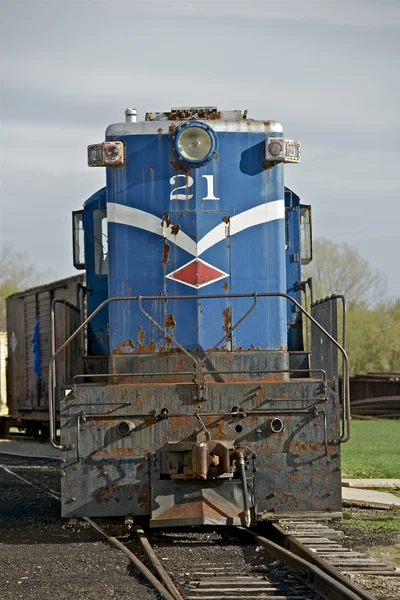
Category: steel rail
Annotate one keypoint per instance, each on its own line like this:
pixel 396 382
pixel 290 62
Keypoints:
pixel 153 558
pixel 345 383
pixel 334 588
pixel 164 593
pixel 301 550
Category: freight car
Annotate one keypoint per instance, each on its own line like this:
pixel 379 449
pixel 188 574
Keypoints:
pixel 29 325
pixel 211 409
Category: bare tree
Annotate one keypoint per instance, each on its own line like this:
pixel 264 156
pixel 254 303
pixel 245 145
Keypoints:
pixel 340 269
pixel 16 273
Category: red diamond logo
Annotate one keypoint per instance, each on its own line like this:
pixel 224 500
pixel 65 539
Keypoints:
pixel 197 273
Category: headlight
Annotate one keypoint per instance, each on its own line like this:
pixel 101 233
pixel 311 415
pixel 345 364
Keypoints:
pixel 107 154
pixel 282 150
pixel 194 143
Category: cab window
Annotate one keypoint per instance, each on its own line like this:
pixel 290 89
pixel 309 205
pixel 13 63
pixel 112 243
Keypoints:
pixel 100 240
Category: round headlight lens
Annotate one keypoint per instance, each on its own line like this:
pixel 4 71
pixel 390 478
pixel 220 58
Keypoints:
pixel 194 144
pixel 112 152
pixel 275 148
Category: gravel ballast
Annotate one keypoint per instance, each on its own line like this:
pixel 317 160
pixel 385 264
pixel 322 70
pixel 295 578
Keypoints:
pixel 42 557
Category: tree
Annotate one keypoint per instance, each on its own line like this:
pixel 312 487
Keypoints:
pixel 340 269
pixel 373 323
pixel 393 330
pixel 368 340
pixel 16 273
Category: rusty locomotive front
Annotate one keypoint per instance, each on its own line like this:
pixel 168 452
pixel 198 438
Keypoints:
pixel 210 407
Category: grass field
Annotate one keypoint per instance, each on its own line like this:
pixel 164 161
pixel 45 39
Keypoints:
pixel 373 450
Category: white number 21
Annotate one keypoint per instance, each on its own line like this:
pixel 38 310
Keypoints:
pixel 188 184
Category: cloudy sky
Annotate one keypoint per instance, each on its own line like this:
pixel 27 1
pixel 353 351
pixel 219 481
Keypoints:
pixel 328 70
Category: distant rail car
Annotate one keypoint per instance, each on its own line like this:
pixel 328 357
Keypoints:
pixel 29 327
pixel 375 395
pixel 195 400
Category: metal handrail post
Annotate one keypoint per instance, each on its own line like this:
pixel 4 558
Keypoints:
pixel 53 376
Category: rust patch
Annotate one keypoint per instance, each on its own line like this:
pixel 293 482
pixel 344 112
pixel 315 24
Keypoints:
pixel 148 348
pixel 166 223
pixel 106 493
pixel 182 115
pixel 267 123
pixel 104 422
pixel 169 320
pixel 288 500
pixel 151 167
pixel 226 220
pixel 179 167
pixel 122 452
pixel 142 347
pixel 143 495
pixel 166 251
pixel 101 494
pixel 175 229
pixel 295 477
pixel 141 336
pixel 227 315
pixel 124 348
pixel 180 366
pixel 225 286
pixel 296 445
pixel 159 130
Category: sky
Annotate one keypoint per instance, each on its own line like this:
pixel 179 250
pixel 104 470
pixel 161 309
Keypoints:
pixel 328 70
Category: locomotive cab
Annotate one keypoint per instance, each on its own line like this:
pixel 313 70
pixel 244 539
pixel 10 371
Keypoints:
pixel 212 411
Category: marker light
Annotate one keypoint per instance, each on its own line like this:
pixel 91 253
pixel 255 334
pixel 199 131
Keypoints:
pixel 107 154
pixel 112 152
pixel 282 150
pixel 275 148
pixel 194 143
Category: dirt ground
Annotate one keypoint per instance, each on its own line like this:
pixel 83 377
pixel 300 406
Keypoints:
pixel 41 557
pixel 375 532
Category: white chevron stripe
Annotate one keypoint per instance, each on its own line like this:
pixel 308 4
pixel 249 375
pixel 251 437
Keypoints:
pixel 269 211
pixel 118 213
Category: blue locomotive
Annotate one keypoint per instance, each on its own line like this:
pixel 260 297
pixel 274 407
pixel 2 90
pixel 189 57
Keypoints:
pixel 209 409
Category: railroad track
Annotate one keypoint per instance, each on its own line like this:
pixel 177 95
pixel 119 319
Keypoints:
pixel 293 560
pixel 272 573
pixel 320 545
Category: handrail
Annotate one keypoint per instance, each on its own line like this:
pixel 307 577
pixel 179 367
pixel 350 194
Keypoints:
pixel 345 383
pixel 53 379
pixel 346 412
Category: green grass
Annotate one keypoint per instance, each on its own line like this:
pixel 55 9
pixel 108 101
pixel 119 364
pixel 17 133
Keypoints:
pixel 391 523
pixel 373 450
pixel 389 490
